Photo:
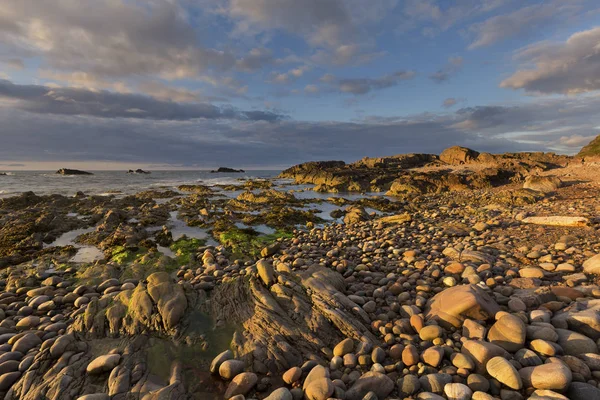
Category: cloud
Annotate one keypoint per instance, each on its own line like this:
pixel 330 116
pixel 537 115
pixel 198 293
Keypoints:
pixel 567 67
pixel 311 89
pixel 256 59
pixel 14 63
pixel 452 67
pixel 320 20
pixel 109 38
pixel 524 21
pixel 71 101
pixel 576 140
pixel 555 124
pixel 289 76
pixel 335 28
pixel 360 86
pixel 451 102
pixel 438 18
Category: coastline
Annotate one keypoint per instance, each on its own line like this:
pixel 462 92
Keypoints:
pixel 299 290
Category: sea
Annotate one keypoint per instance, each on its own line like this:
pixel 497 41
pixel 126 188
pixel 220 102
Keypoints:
pixel 116 182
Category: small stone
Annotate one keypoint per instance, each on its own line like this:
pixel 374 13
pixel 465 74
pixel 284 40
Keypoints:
pixel 265 271
pixel 433 356
pixel 508 332
pixel 375 382
pixel 504 372
pixel 458 391
pixel 230 368
pixel 410 355
pixel 344 347
pixel 218 360
pixel 103 364
pixel 408 385
pixel 241 384
pixel 431 332
pixel 292 375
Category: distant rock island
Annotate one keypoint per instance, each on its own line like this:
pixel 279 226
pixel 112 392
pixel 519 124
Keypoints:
pixel 225 170
pixel 138 171
pixel 67 171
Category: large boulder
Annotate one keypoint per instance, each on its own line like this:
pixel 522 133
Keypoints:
pixel 457 155
pixel 543 184
pixel 453 305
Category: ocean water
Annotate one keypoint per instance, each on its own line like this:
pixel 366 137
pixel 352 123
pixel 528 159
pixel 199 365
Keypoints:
pixel 104 182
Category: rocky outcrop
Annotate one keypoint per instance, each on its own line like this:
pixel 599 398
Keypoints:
pixel 591 150
pixel 157 306
pixel 457 155
pixel 226 170
pixel 284 324
pixel 423 173
pixel 66 171
pixel 138 171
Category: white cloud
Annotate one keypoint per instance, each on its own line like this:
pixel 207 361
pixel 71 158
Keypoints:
pixel 525 21
pixel 109 38
pixel 568 67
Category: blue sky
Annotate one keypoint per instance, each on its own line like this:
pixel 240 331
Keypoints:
pixel 260 83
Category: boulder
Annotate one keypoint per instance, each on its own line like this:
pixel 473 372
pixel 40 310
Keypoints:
pixel 506 373
pixel 481 352
pixel 241 384
pixel 375 382
pixel 508 332
pixel 551 376
pixel 574 343
pixel 453 305
pixel 457 155
pixel 543 184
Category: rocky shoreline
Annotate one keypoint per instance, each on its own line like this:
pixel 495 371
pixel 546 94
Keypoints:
pixel 477 280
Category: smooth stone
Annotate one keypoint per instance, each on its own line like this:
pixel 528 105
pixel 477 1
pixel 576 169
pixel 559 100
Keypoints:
pixel 508 332
pixel 319 389
pixel 26 343
pixel 103 364
pixel 458 391
pixel 546 395
pixel 375 382
pixel 582 391
pixel 241 384
pixel 552 376
pixel 481 352
pixel 431 332
pixel 409 385
pixel 292 375
pixel 574 343
pixel 344 347
pixel 8 379
pixel 218 360
pixel 280 394
pixel 501 369
pixel 230 368
pixel 435 382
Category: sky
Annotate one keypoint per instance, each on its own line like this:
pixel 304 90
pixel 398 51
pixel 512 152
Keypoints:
pixel 272 83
